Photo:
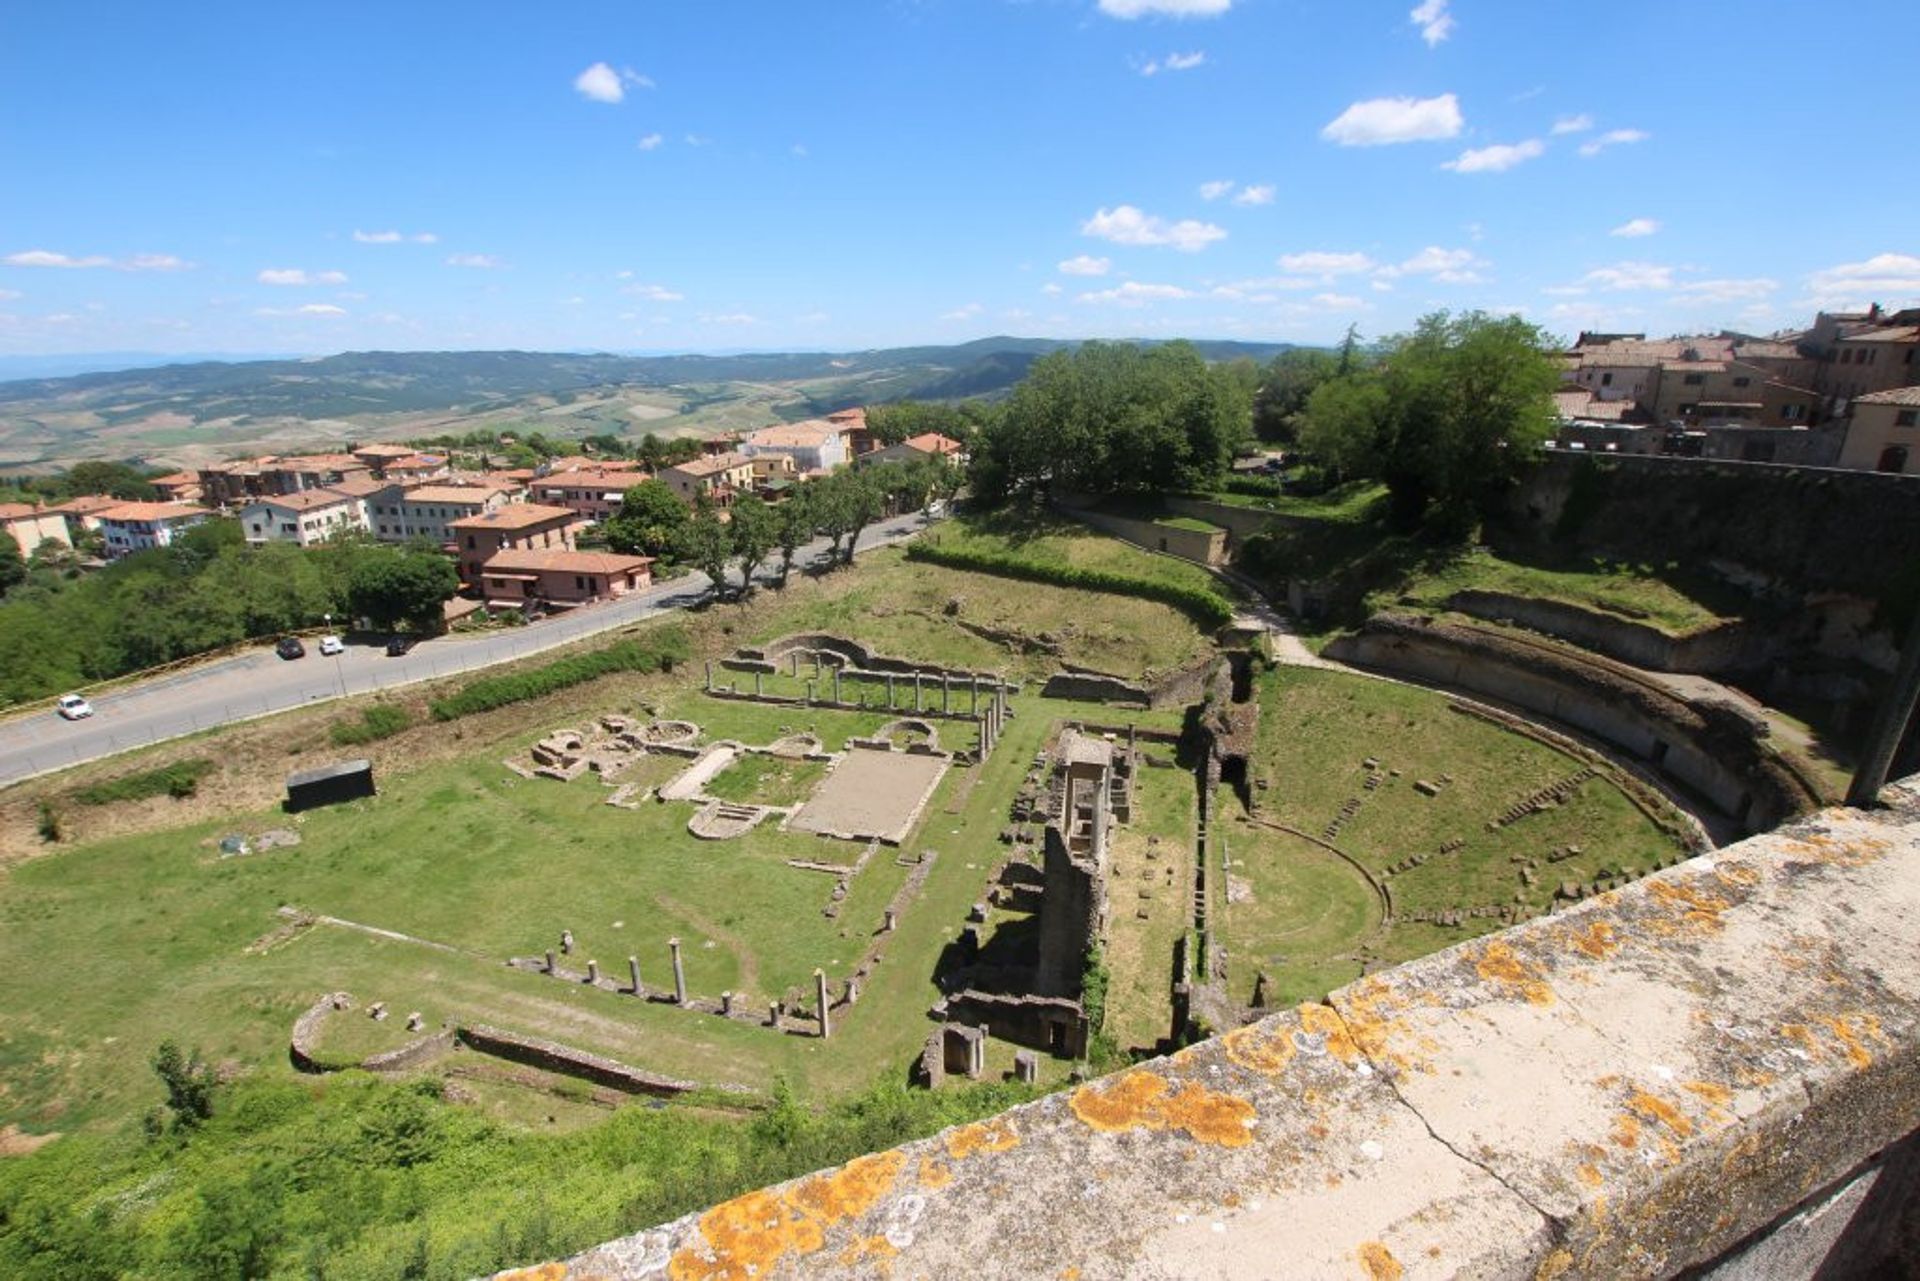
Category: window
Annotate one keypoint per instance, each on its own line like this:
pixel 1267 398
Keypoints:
pixel 1893 459
pixel 1694 380
pixel 1606 380
pixel 1846 356
pixel 1742 382
pixel 469 542
pixel 1906 418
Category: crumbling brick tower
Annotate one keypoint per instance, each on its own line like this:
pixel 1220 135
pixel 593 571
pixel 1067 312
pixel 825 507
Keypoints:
pixel 1073 909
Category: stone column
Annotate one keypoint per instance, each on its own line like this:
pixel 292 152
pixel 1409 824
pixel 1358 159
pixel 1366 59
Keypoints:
pixel 566 942
pixel 812 692
pixel 836 685
pixel 946 691
pixel 820 993
pixel 816 664
pixel 709 676
pixel 891 922
pixel 773 1014
pixel 795 656
pixel 726 1004
pixel 889 691
pixel 679 974
pixel 593 972
pixel 757 691
pixel 549 960
pixel 633 971
pixel 916 692
pixel 973 708
pixel 853 990
pixel 1026 1067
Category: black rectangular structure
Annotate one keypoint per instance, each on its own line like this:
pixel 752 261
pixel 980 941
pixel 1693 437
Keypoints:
pixel 328 785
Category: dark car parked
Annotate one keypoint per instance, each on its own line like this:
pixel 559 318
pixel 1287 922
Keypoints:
pixel 290 647
pixel 399 645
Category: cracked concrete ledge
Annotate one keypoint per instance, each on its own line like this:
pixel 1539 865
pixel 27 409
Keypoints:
pixel 1626 1089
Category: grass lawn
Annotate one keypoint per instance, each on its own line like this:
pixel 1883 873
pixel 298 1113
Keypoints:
pixel 1355 500
pixel 1190 523
pixel 1049 538
pixel 1156 879
pixel 1306 913
pixel 899 609
pixel 1674 603
pixel 767 780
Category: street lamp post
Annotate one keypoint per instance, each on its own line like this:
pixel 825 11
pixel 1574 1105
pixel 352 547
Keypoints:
pixel 339 671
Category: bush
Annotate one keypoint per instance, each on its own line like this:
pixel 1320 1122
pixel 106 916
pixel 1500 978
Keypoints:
pixel 178 780
pixel 658 652
pixel 382 720
pixel 49 822
pixel 1204 607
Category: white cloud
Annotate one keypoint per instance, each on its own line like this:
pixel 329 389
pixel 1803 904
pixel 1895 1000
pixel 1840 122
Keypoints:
pixel 1572 124
pixel 650 142
pixel 139 262
pixel 1133 293
pixel 395 237
pixel 602 83
pixel 1265 289
pixel 1435 23
pixel 729 318
pixel 1852 285
pixel 8 295
pixel 1126 225
pixel 1721 292
pixel 1339 302
pixel 47 258
pixel 321 309
pixel 799 149
pixel 1627 276
pixel 1257 194
pixel 1173 62
pixel 1050 288
pixel 300 276
pixel 473 260
pixel 1130 9
pixel 1326 264
pixel 1635 227
pixel 1086 265
pixel 1215 190
pixel 696 140
pixel 1380 121
pixel 654 293
pixel 1613 138
pixel 1445 266
pixel 1496 159
pixel 966 311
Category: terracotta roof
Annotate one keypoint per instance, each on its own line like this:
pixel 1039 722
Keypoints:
pixel 320 462
pixel 87 504
pixel 711 466
pixel 358 486
pixel 529 562
pixel 21 511
pixel 1893 396
pixel 588 477
pixel 306 500
pixel 515 516
pixel 177 478
pixel 932 442
pixel 382 450
pixel 1694 366
pixel 579 462
pixel 806 435
pixel 453 495
pixel 151 511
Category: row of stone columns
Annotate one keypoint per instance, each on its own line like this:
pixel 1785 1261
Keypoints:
pixel 726 998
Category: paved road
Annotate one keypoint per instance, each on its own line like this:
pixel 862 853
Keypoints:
pixel 259 683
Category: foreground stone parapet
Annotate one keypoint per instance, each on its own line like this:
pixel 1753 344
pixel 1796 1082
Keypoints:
pixel 1628 1089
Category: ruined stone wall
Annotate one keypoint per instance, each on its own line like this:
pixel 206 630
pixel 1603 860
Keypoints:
pixel 554 1057
pixel 1202 547
pixel 1793 530
pixel 1712 749
pixel 1241 523
pixel 1177 688
pixel 1069 917
pixel 1680 1074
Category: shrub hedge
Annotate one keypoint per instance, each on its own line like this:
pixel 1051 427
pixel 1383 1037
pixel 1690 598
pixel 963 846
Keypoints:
pixel 382 720
pixel 177 780
pixel 1204 607
pixel 658 652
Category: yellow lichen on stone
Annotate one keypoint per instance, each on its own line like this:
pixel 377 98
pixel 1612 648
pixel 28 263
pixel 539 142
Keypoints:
pixel 1651 1107
pixel 748 1235
pixel 1718 1098
pixel 1379 1262
pixel 542 1272
pixel 1142 1100
pixel 1554 1265
pixel 993 1135
pixel 1259 1048
pixel 1324 1021
pixel 1599 940
pixel 1500 965
pixel 1370 1015
pixel 933 1175
pixel 1850 1031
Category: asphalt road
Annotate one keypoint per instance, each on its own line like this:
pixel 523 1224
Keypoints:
pixel 260 683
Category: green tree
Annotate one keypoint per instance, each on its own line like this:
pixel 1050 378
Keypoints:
pixel 706 544
pixel 650 518
pixel 755 530
pixel 1286 385
pixel 793 526
pixel 1450 418
pixel 13 566
pixel 401 586
pixel 118 479
pixel 865 500
pixel 189 1083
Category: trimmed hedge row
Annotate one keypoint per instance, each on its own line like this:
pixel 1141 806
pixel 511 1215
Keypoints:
pixel 1204 607
pixel 382 720
pixel 177 780
pixel 658 652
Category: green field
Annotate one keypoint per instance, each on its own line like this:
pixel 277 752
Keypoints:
pixel 1052 539
pixel 1309 917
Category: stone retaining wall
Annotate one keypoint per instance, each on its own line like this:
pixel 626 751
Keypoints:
pixel 551 1056
pixel 1713 749
pixel 1702 1069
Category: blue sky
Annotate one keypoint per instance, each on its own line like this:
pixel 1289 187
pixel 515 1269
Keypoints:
pixel 862 173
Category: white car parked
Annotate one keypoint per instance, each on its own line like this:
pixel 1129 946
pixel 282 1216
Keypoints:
pixel 331 645
pixel 73 707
